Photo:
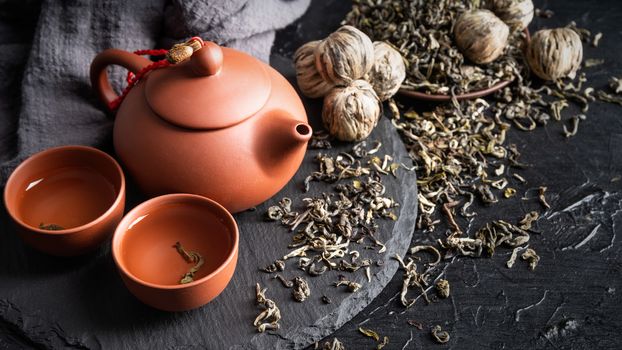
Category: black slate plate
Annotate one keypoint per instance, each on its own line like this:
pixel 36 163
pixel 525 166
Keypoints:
pixel 82 303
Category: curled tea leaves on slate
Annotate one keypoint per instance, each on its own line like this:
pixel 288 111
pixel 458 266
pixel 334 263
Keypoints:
pixel 277 265
pixel 513 256
pixel 605 97
pixel 442 288
pixel 269 318
pixel 542 197
pixel 383 343
pixel 532 257
pixel 369 333
pixel 440 335
pixel 412 278
pixel 528 220
pixel 415 324
pixel 332 345
pixel 615 84
pixel 301 289
pixel 596 39
pixel 326 228
pixel 350 285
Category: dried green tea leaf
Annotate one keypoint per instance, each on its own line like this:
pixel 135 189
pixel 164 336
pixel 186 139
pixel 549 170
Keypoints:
pixel 442 288
pixel 415 324
pixel 605 97
pixel 50 227
pixel 269 318
pixel 513 256
pixel 528 220
pixel 532 257
pixel 332 345
pixel 385 342
pixel 440 335
pixel 615 84
pixel 542 197
pixel 596 39
pixel 277 265
pixel 301 289
pixel 190 257
pixel 351 285
pixel 369 333
pixel 509 192
pixel 593 62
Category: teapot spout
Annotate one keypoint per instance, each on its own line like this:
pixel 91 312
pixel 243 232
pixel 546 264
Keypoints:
pixel 281 142
pixel 301 132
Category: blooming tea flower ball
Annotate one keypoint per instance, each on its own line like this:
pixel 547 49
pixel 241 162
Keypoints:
pixel 350 113
pixel 481 36
pixel 309 79
pixel 388 71
pixel 344 56
pixel 515 13
pixel 555 53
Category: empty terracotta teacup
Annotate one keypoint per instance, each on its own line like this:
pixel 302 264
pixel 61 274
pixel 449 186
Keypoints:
pixel 66 200
pixel 176 252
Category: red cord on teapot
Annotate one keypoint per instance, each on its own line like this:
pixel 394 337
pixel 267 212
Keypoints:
pixel 178 53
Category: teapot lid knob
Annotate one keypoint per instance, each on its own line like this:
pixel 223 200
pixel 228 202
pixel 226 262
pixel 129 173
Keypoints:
pixel 207 60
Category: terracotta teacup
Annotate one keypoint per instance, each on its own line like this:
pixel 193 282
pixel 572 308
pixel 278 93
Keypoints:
pixel 152 267
pixel 66 200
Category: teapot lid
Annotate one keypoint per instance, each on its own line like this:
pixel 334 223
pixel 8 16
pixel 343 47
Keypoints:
pixel 216 88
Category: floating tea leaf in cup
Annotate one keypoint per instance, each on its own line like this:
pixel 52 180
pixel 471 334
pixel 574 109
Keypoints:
pixel 50 227
pixel 190 257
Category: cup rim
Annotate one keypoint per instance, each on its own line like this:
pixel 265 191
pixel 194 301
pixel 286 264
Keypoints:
pixel 45 153
pixel 174 198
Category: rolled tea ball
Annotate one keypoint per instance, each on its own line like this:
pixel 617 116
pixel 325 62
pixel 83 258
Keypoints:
pixel 481 36
pixel 555 53
pixel 309 79
pixel 515 13
pixel 350 113
pixel 388 72
pixel 344 56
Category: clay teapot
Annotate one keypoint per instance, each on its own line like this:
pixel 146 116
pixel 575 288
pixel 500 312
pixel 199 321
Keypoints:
pixel 221 124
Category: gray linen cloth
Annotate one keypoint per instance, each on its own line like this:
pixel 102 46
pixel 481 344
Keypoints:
pixel 47 47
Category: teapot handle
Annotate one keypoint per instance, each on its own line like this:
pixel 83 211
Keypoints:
pixel 99 76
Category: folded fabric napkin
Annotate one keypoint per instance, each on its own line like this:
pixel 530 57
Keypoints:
pixel 45 95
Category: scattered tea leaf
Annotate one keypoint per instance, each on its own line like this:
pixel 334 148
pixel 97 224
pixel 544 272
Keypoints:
pixel 369 333
pixel 415 324
pixel 301 289
pixel 542 197
pixel 440 335
pixel 532 257
pixel 269 318
pixel 442 288
pixel 385 342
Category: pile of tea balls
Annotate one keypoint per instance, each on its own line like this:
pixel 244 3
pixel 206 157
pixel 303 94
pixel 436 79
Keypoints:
pixel 354 75
pixel 482 34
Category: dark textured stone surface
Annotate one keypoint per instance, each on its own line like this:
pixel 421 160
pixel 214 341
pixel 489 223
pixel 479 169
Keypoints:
pixel 81 303
pixel 573 300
